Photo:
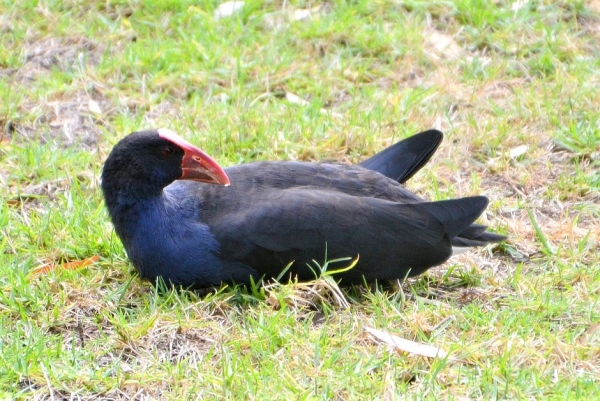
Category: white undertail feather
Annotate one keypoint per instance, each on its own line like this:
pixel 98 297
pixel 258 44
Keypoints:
pixel 457 250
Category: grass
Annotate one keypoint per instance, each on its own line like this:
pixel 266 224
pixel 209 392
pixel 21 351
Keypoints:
pixel 520 320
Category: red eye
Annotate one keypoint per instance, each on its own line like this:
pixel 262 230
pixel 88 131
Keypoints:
pixel 167 151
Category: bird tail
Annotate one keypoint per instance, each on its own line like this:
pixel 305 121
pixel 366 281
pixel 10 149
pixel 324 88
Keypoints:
pixel 458 216
pixel 403 159
pixel 476 235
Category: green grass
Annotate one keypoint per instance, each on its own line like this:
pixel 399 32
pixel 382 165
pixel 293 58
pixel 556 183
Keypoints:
pixel 520 321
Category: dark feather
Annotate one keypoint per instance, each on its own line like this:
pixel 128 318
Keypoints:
pixel 402 160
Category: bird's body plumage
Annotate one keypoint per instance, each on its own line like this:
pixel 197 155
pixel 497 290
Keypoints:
pixel 274 213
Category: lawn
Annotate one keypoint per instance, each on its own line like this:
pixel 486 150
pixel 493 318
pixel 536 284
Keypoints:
pixel 514 85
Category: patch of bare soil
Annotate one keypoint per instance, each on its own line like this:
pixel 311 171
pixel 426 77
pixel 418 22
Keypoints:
pixel 70 118
pixel 74 119
pixel 35 196
pixel 63 53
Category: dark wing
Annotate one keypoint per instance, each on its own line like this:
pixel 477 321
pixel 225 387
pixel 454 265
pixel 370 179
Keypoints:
pixel 269 229
pixel 351 180
pixel 402 160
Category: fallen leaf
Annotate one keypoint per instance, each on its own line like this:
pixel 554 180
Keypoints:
pixel 21 198
pixel 228 8
pixel 295 99
pixel 518 151
pixel 302 13
pixel 94 107
pixel 517 5
pixel 74 265
pixel 409 346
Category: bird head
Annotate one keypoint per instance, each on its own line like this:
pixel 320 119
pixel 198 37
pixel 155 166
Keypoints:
pixel 195 164
pixel 148 161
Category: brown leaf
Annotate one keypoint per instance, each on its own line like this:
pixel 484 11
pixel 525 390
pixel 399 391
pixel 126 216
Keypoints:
pixel 74 265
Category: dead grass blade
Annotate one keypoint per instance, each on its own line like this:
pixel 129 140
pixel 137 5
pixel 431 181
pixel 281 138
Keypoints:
pixel 409 346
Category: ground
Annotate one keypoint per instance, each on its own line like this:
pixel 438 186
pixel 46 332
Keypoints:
pixel 514 87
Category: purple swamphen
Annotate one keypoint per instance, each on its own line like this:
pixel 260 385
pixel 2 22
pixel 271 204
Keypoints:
pixel 182 217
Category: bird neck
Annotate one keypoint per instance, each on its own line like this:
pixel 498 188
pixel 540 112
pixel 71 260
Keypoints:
pixel 127 212
pixel 163 236
pixel 132 213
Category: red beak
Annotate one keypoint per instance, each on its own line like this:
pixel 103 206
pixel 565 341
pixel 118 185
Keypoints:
pixel 196 165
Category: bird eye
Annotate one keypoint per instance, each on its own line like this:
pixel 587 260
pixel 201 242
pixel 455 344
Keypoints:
pixel 167 151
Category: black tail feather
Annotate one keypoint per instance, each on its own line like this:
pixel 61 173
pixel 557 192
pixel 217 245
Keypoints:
pixel 456 214
pixel 403 159
pixel 476 235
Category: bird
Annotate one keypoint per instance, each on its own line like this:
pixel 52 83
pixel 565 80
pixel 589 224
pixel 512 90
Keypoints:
pixel 184 219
